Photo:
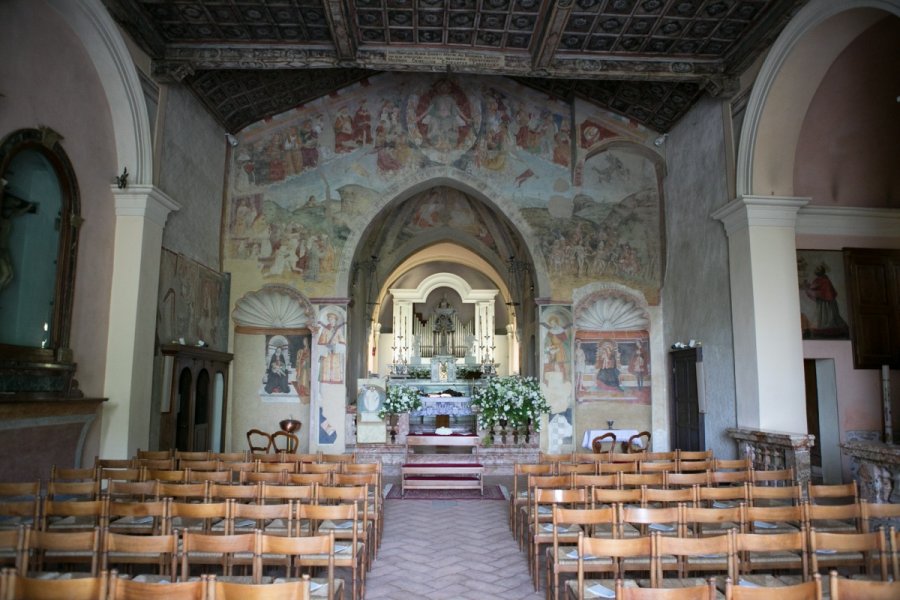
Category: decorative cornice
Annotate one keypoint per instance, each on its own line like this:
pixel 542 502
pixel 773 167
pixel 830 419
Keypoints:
pixel 849 221
pixel 760 211
pixel 145 201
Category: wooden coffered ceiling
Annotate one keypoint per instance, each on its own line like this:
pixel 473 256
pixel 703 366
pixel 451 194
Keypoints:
pixel 650 60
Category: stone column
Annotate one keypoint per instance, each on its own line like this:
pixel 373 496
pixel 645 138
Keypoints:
pixel 141 213
pixel 765 309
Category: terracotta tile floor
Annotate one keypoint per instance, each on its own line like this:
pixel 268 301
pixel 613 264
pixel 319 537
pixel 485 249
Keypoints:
pixel 443 550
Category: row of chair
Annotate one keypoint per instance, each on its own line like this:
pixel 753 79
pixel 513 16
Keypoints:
pixel 216 470
pixel 110 586
pixel 841 588
pixel 610 455
pixel 253 556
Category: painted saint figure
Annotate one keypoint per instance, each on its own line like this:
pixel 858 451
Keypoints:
pixel 638 365
pixel 331 364
pixel 607 365
pixel 556 349
pixel 276 380
pixel 580 366
pixel 303 366
pixel 828 314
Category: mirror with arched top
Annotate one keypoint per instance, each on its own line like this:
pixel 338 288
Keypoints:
pixel 38 244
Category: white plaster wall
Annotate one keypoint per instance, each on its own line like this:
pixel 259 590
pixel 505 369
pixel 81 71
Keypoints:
pixel 695 298
pixel 192 150
pixel 48 80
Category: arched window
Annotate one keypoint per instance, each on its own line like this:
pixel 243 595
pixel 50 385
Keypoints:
pixel 38 245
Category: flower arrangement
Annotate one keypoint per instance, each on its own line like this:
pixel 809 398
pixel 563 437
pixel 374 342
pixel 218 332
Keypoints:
pixel 513 399
pixel 400 399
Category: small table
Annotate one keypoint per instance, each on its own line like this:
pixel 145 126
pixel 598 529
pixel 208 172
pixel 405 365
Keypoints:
pixel 622 436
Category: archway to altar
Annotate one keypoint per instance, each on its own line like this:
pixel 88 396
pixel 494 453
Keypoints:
pixel 441 244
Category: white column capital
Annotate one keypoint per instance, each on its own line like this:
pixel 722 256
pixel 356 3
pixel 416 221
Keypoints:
pixel 760 211
pixel 144 201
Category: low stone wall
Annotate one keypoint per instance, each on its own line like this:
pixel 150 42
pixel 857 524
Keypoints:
pixel 772 450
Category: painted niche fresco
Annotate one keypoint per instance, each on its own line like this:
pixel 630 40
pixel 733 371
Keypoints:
pixel 823 295
pixel 612 366
pixel 288 367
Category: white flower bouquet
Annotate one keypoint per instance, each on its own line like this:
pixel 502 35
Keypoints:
pixel 515 400
pixel 400 399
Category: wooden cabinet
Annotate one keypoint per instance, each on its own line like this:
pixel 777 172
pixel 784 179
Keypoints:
pixel 193 410
pixel 873 289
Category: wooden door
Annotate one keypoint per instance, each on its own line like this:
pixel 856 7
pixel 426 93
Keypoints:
pixel 812 411
pixel 687 420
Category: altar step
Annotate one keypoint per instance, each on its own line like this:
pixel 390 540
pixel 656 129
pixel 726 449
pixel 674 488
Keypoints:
pixel 497 459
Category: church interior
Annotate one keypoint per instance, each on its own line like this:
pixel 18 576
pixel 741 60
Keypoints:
pixel 676 218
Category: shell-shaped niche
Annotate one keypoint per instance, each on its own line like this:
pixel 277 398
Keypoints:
pixel 612 313
pixel 274 307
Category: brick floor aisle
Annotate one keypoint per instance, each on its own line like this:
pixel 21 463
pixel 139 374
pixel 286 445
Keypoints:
pixel 449 550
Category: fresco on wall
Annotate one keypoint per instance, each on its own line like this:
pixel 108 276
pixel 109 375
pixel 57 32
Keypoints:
pixel 288 367
pixel 556 371
pixel 612 366
pixel 823 295
pixel 193 303
pixel 329 389
pixel 610 231
pixel 303 181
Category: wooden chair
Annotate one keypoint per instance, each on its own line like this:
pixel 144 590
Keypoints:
pixel 604 444
pixel 525 512
pixel 658 466
pixel 640 521
pixel 859 589
pixel 687 479
pixel 229 457
pixel 293 553
pixel 703 521
pixel 774 519
pixel 605 468
pixel 200 455
pixel 123 588
pixel 344 459
pixel 132 491
pixel 863 552
pixel 729 478
pixel 655 497
pixel 631 480
pixel 203 517
pixel 202 552
pixel 706 591
pixel 282 441
pixel 185 492
pixel 834 518
pixel 376 499
pixel 547 458
pixel 167 475
pixel 590 482
pixel 721 497
pixel 14 514
pixel 277 494
pixel 153 454
pixel 579 468
pixel 73 474
pixel 695 454
pixel 155 463
pixel 808 590
pixel 270 519
pixel 289 590
pixel 541 529
pixel 686 555
pixel 242 493
pixel 875 515
pixel 627 457
pixel 616 557
pixel 519 497
pixel 366 524
pixel 638 443
pixel 694 466
pixel 62 549
pixel 308 478
pixel 72 515
pixel 662 456
pixel 348 553
pixel 12 542
pixel 259 441
pixel 21 587
pixel 596 522
pixel 129 550
pixel 136 517
pixel 756 554
pixel 894 539
pixel 202 465
pixel 767 495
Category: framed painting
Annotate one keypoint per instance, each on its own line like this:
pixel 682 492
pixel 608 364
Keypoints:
pixel 823 295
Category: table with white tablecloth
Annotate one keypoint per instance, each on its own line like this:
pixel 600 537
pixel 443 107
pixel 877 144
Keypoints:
pixel 622 436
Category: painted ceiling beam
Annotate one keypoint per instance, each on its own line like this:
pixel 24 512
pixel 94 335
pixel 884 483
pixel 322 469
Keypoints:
pixel 341 29
pixel 548 41
pixel 202 57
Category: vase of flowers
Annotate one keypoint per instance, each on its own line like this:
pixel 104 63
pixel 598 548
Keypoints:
pixel 397 400
pixel 514 399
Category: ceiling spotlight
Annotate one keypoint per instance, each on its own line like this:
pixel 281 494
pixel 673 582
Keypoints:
pixel 660 140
